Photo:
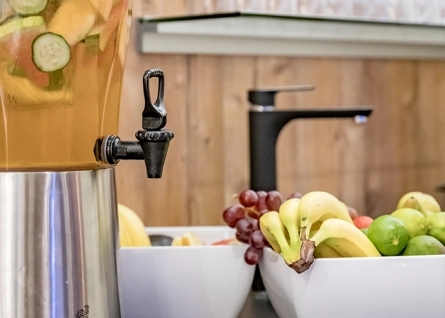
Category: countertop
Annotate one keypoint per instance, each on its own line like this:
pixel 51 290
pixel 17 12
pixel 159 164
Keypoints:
pixel 258 306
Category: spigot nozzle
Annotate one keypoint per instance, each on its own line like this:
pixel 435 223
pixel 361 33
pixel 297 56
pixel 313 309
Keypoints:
pixel 154 146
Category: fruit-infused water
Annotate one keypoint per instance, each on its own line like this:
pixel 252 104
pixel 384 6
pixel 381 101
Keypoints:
pixel 61 69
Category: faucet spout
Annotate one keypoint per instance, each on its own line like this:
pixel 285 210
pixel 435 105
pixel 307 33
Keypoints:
pixel 265 126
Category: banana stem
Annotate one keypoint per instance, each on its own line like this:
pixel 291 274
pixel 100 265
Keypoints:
pixel 306 254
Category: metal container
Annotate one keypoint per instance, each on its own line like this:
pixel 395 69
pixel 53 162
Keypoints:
pixel 59 238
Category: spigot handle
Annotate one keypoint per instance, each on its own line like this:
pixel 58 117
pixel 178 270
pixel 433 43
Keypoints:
pixel 266 96
pixel 154 116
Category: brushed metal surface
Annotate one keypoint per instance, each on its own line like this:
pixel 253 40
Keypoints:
pixel 58 242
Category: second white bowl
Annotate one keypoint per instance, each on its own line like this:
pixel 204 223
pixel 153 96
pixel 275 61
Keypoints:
pixel 384 287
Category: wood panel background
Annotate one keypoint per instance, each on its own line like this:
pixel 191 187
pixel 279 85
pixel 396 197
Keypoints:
pixel 369 166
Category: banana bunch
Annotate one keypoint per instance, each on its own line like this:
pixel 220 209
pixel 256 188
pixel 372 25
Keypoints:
pixel 281 229
pixel 419 201
pixel 317 225
pixel 131 229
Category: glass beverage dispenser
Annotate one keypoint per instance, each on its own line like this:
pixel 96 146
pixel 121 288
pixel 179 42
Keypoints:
pixel 61 71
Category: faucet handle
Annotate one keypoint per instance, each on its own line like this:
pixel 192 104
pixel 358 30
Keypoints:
pixel 154 116
pixel 266 96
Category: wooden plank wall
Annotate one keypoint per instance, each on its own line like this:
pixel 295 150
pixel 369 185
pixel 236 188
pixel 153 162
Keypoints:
pixel 369 166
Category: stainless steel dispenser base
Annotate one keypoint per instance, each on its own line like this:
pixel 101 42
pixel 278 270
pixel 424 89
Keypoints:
pixel 58 243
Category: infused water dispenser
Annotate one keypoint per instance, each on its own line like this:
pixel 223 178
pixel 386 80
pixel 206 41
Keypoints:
pixel 61 71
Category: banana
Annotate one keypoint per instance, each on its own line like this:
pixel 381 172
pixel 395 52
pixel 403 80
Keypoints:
pixel 290 219
pixel 335 238
pixel 316 207
pixel 124 236
pixel 277 235
pixel 325 251
pixel 420 201
pixel 345 238
pixel 131 229
pixel 266 230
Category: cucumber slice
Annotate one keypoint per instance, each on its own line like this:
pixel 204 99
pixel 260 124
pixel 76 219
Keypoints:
pixel 17 24
pixel 28 7
pixel 50 52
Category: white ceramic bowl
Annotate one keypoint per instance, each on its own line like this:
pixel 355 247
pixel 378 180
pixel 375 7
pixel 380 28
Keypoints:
pixel 189 281
pixel 384 287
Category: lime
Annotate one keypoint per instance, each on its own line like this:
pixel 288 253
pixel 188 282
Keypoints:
pixel 388 234
pixel 436 226
pixel 424 245
pixel 413 220
pixel 365 230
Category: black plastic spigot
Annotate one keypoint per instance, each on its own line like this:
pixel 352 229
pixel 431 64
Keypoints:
pixel 153 142
pixel 154 116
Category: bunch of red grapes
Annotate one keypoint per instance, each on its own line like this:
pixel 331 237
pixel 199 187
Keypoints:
pixel 245 215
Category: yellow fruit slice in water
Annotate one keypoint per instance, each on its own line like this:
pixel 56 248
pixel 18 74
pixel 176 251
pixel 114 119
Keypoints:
pixel 73 20
pixel 103 7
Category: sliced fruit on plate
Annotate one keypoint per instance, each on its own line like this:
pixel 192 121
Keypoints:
pixel 190 239
pixel 230 241
pixel 177 241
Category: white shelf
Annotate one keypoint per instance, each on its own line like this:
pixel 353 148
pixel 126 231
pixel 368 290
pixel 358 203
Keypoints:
pixel 244 33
